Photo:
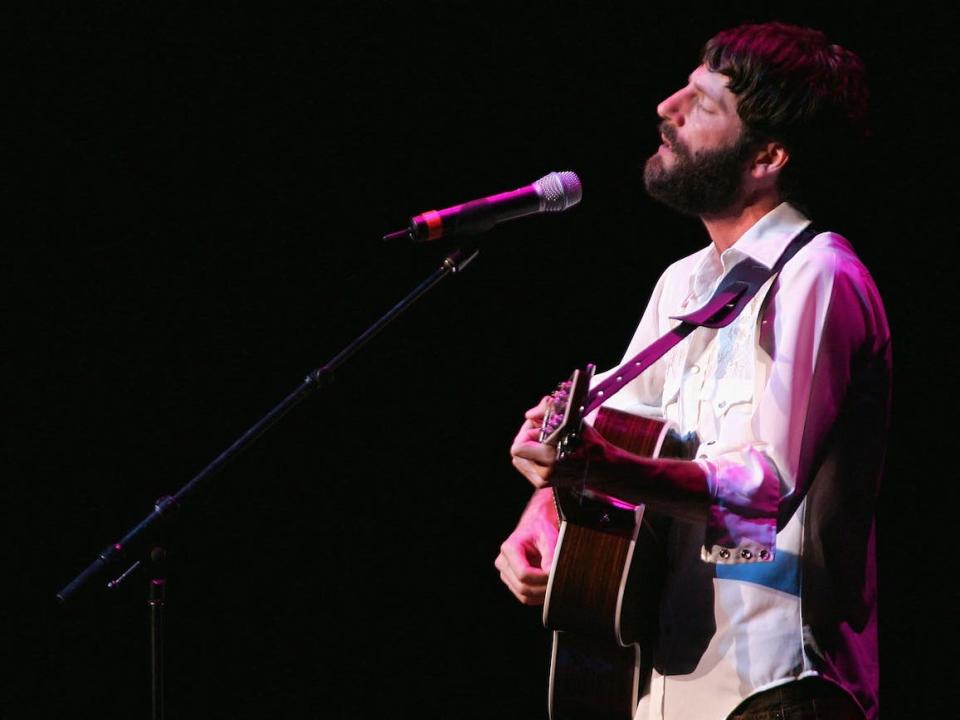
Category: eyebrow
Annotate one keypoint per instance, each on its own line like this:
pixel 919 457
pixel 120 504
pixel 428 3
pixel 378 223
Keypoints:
pixel 699 87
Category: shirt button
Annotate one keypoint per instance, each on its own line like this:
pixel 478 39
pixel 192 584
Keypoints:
pixel 695 369
pixel 746 554
pixel 724 553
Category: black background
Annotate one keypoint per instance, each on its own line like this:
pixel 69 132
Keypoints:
pixel 198 196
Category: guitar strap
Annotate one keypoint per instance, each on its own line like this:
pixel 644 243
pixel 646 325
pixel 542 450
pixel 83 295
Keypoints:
pixel 731 296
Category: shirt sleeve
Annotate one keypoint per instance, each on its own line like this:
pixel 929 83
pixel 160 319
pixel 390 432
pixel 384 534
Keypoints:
pixel 822 314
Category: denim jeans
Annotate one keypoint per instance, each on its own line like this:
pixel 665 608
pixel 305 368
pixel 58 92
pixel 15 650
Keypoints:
pixel 807 699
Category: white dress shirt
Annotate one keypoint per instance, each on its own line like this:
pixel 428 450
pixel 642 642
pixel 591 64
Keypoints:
pixel 791 404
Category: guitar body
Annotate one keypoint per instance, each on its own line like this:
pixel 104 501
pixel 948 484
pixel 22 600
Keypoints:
pixel 603 595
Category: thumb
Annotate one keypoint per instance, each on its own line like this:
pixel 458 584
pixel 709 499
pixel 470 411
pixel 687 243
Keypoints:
pixel 546 545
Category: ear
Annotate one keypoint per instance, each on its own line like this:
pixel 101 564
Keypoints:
pixel 769 160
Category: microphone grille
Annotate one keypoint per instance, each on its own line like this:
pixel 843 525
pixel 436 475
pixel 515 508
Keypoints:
pixel 558 191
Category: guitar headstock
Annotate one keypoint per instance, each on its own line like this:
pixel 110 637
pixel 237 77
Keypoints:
pixel 564 416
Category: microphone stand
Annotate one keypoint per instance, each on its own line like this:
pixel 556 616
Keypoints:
pixel 454 262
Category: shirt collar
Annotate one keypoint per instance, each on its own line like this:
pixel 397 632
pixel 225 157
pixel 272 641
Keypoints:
pixel 764 242
pixel 767 238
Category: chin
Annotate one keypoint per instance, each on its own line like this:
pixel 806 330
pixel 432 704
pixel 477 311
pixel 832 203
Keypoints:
pixel 653 168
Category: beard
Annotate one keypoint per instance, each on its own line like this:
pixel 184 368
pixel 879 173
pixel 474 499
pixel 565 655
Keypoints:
pixel 708 182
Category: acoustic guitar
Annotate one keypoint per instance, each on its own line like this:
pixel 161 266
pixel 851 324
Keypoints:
pixel 603 594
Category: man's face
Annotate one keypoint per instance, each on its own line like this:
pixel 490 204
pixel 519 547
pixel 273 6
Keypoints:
pixel 699 168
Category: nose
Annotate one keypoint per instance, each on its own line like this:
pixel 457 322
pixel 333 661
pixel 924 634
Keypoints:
pixel 673 108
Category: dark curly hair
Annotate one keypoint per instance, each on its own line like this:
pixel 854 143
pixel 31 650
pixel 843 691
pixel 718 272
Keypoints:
pixel 793 86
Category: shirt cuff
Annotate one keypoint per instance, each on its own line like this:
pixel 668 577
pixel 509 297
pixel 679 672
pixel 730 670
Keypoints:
pixel 742 521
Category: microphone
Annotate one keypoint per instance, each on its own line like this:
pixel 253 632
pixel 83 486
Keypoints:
pixel 551 193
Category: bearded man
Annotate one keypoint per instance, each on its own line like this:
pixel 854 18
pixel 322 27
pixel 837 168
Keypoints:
pixel 769 604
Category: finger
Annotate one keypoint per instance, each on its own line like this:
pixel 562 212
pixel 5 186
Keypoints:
pixel 527 433
pixel 508 576
pixel 539 453
pixel 539 410
pixel 538 476
pixel 529 467
pixel 510 579
pixel 529 441
pixel 530 592
pixel 518 566
pixel 527 596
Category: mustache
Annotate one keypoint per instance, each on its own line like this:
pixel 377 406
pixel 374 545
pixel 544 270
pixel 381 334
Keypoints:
pixel 669 132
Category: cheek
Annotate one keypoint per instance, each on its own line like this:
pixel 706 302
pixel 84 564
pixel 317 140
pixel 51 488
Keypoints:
pixel 728 132
pixel 712 131
pixel 701 139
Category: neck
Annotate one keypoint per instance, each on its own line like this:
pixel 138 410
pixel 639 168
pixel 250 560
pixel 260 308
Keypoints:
pixel 726 228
